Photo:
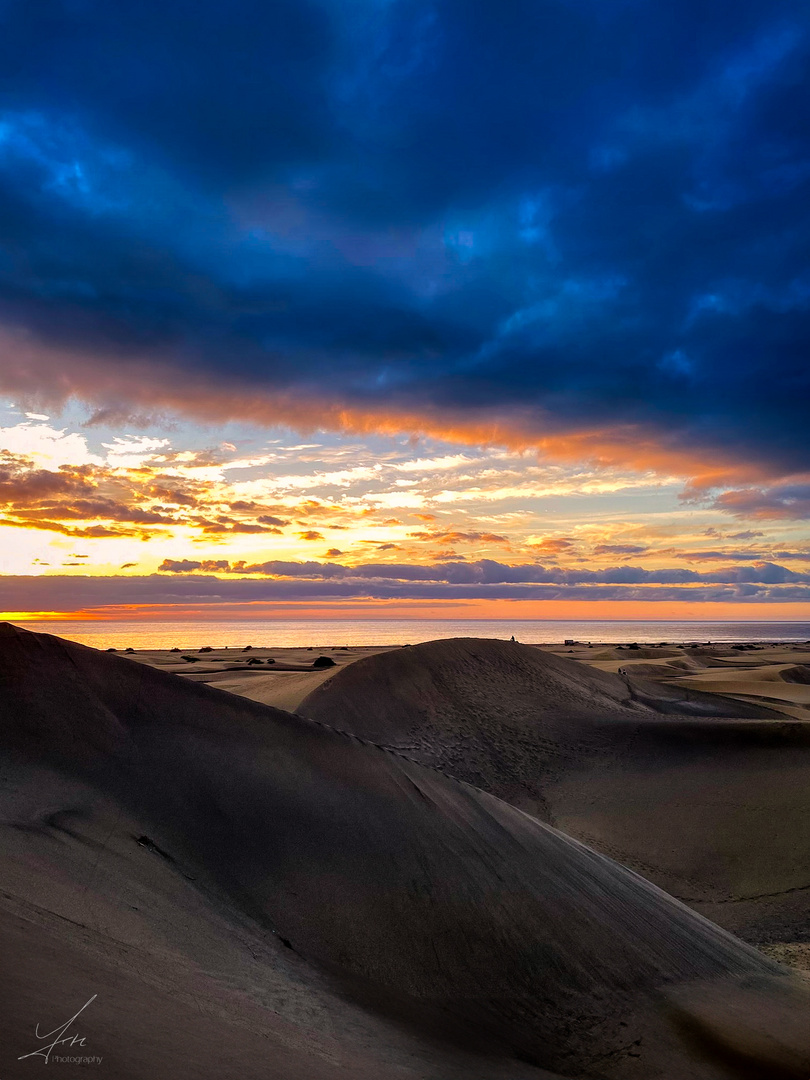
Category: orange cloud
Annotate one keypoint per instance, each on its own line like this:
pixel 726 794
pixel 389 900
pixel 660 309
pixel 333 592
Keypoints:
pixel 52 500
pixel 45 375
pixel 89 532
pixel 551 545
pixel 452 537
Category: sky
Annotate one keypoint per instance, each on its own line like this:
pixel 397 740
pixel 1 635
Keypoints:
pixel 387 307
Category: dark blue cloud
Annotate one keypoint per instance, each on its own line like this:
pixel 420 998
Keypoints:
pixel 594 214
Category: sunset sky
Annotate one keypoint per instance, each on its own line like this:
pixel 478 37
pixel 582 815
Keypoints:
pixel 377 307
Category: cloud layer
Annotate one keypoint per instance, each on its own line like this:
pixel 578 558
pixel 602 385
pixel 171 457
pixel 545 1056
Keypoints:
pixel 486 572
pixel 577 224
pixel 178 587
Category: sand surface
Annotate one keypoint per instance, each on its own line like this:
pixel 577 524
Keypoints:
pixel 250 893
pixel 713 808
pixel 284 683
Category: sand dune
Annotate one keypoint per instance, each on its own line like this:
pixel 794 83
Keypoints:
pixel 775 684
pixel 746 675
pixel 712 808
pixel 380 903
pixel 795 673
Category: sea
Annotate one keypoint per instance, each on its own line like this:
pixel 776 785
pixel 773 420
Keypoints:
pixel 334 632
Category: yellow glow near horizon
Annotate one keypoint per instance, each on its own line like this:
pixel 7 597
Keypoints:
pixel 28 616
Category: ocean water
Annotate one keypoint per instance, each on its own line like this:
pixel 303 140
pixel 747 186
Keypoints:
pixel 323 633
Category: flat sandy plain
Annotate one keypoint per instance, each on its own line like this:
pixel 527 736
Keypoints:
pixel 460 860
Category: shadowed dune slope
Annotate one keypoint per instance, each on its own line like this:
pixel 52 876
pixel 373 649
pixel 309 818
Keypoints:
pixel 706 796
pixel 796 673
pixel 426 896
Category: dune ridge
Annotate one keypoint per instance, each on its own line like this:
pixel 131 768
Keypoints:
pixel 433 898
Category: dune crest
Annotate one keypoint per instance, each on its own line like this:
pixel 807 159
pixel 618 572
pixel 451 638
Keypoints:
pixel 701 794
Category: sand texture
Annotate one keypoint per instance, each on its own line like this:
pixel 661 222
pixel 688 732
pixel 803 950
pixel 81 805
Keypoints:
pixel 255 894
pixel 281 677
pixel 702 793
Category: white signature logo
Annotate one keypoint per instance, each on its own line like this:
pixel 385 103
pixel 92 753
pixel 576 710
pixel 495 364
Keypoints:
pixel 60 1037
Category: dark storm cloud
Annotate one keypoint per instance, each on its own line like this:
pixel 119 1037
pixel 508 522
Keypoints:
pixel 591 215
